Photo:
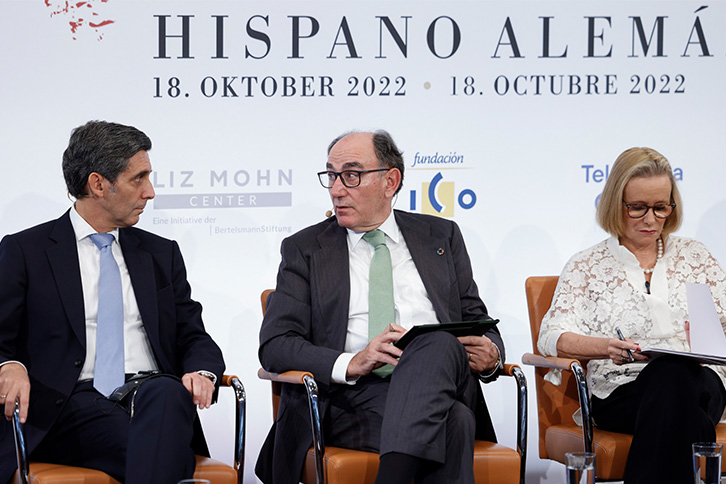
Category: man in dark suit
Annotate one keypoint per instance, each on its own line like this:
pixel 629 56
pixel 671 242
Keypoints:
pixel 424 417
pixel 62 326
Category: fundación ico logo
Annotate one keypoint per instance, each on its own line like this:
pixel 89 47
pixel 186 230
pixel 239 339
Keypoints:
pixel 439 197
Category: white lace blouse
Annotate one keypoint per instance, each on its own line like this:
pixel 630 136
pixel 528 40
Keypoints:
pixel 604 287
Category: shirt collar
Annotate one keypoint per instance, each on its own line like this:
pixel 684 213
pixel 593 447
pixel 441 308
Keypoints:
pixel 82 228
pixel 624 256
pixel 388 227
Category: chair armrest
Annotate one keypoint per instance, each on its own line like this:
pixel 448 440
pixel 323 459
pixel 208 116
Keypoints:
pixel 516 372
pixel 240 422
pixel 20 449
pixel 297 377
pixel 306 379
pixel 583 392
pixel 554 362
pixel 509 369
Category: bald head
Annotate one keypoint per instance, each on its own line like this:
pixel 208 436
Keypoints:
pixel 384 148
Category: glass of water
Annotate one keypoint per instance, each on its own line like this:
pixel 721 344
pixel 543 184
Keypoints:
pixel 707 462
pixel 580 467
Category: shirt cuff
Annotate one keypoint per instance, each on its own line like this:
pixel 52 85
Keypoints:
pixel 209 375
pixel 13 361
pixel 340 369
pixel 548 347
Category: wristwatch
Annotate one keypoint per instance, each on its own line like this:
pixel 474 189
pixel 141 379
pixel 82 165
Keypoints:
pixel 497 366
pixel 209 375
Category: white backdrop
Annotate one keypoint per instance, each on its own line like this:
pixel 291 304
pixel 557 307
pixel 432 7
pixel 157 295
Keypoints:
pixel 512 110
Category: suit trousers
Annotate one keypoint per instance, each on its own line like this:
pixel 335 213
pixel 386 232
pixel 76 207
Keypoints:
pixel 153 446
pixel 425 409
pixel 673 403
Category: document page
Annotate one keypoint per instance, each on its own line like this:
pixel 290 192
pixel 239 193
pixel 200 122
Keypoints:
pixel 708 341
pixel 707 336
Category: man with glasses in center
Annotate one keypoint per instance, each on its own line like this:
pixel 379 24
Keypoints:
pixel 350 286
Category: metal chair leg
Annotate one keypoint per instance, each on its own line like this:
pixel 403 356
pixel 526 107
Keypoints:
pixel 518 375
pixel 584 395
pixel 318 445
pixel 20 448
pixel 240 423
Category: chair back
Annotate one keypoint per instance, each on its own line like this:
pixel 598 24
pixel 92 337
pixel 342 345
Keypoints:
pixel 555 403
pixel 276 386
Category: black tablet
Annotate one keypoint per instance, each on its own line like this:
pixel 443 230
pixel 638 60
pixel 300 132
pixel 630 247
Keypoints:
pixel 462 328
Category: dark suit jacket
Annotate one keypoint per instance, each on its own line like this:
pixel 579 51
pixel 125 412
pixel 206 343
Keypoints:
pixel 307 318
pixel 42 320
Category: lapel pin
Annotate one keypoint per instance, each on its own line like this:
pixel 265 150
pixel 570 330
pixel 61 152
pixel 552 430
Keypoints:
pixel 440 251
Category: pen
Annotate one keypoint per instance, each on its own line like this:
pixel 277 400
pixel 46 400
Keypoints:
pixel 622 338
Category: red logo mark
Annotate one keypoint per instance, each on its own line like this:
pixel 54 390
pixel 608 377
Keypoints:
pixel 80 15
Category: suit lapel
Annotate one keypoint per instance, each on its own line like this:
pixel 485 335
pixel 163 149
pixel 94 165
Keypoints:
pixel 431 256
pixel 141 271
pixel 63 260
pixel 333 283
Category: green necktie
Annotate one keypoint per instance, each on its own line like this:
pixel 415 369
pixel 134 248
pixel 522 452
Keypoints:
pixel 380 291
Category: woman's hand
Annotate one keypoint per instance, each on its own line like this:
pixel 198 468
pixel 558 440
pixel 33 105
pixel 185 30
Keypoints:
pixel 618 351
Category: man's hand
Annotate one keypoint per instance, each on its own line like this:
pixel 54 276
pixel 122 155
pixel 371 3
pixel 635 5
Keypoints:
pixel 483 355
pixel 14 385
pixel 201 389
pixel 377 353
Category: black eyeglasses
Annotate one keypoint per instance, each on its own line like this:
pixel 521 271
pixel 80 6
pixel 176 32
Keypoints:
pixel 660 210
pixel 350 178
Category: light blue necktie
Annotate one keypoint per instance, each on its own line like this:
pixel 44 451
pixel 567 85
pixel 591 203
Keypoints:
pixel 381 309
pixel 109 368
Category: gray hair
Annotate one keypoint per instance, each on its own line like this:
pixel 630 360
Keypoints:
pixel 101 147
pixel 385 148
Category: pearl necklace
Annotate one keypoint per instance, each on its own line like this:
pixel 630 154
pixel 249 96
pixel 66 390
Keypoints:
pixel 659 256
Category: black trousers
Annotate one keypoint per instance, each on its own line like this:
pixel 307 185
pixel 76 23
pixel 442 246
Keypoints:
pixel 152 447
pixel 673 403
pixel 425 409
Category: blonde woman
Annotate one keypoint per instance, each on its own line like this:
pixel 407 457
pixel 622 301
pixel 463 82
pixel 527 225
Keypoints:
pixel 636 281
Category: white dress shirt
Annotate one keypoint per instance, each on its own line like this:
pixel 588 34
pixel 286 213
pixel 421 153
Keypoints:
pixel 412 303
pixel 138 355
